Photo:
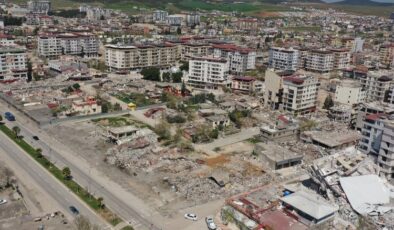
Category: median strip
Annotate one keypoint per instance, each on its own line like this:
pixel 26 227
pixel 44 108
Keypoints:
pixel 93 202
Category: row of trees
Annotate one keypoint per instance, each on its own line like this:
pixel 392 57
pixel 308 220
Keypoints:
pixel 153 74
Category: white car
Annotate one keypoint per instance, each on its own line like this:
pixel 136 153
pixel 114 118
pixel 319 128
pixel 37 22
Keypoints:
pixel 3 201
pixel 211 225
pixel 191 216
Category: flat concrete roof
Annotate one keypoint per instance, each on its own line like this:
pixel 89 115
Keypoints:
pixel 124 129
pixel 310 203
pixel 277 153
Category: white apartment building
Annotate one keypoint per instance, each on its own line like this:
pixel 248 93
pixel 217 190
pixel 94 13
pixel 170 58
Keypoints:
pixel 300 93
pixel 350 92
pixel 283 58
pixel 386 151
pixel 160 15
pixel 85 44
pixel 175 19
pixel 377 84
pixel 321 61
pixel 124 58
pixel 194 50
pixel 49 46
pixel 13 63
pixel 193 19
pixel 208 73
pixel 341 58
pixel 54 45
pixel 386 55
pixel 39 6
pixel 240 59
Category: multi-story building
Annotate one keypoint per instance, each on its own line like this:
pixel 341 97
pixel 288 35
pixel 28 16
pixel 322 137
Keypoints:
pixel 84 44
pixel 321 61
pixel 341 58
pixel 377 84
pixel 39 19
pixel 54 45
pixel 246 84
pixel 386 55
pixel 300 93
pixel 39 6
pixel 13 63
pixel 370 108
pixel 350 92
pixel 160 15
pixel 6 40
pixel 96 13
pixel 247 24
pixel 208 73
pixel 175 19
pixel 49 46
pixel 193 19
pixel 194 50
pixel 274 88
pixel 124 58
pixel 283 58
pixel 386 151
pixel 389 96
pixel 240 59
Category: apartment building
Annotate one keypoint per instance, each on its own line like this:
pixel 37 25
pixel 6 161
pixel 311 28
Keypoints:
pixel 125 58
pixel 13 63
pixel 39 6
pixel 175 19
pixel 160 15
pixel 193 19
pixel 350 92
pixel 194 50
pixel 341 58
pixel 386 55
pixel 208 73
pixel 377 84
pixel 370 108
pixel 7 40
pixel 389 96
pixel 274 88
pixel 321 61
pixel 240 59
pixel 54 45
pixel 84 44
pixel 247 24
pixel 39 19
pixel 283 58
pixel 246 84
pixel 300 93
pixel 49 46
pixel 386 151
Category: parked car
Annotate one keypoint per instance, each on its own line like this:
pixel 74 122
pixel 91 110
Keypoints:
pixel 211 225
pixel 74 210
pixel 2 201
pixel 191 216
pixel 36 138
pixel 9 116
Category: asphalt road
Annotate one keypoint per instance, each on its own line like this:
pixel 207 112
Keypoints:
pixel 114 200
pixel 49 183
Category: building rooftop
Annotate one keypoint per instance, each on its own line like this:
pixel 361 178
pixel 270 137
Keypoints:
pixel 124 129
pixel 277 153
pixel 310 204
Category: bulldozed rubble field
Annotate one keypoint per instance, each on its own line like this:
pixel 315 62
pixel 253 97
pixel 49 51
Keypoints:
pixel 168 179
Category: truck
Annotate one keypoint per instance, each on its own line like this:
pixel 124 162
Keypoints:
pixel 9 116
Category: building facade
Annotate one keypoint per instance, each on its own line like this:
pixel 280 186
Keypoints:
pixel 208 73
pixel 13 63
pixel 240 59
pixel 283 58
pixel 350 92
pixel 321 61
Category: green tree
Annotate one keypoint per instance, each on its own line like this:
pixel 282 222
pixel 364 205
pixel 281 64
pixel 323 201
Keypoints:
pixel 100 200
pixel 39 152
pixel 167 77
pixel 76 86
pixel 184 66
pixel 163 130
pixel 328 103
pixel 1 119
pixel 151 73
pixel 66 173
pixel 177 77
pixel 179 30
pixel 16 131
pixel 29 71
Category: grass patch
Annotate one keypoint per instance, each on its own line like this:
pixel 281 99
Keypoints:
pixel 113 121
pixel 136 98
pixel 254 140
pixel 88 198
